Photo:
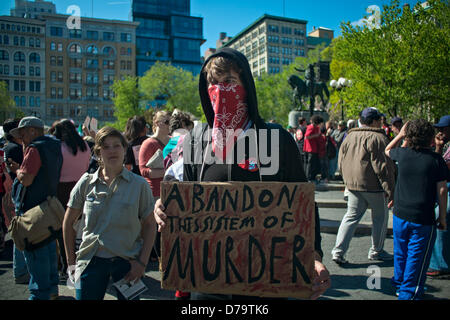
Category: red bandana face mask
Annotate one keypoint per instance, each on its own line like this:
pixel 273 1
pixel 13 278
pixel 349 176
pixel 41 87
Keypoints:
pixel 230 114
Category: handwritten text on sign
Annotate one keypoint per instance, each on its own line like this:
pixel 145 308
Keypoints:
pixel 247 238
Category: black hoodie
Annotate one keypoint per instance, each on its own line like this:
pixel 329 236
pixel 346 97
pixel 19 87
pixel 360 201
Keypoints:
pixel 290 168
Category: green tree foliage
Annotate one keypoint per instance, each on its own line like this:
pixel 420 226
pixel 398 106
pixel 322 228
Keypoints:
pixel 7 105
pixel 178 86
pixel 126 101
pixel 400 65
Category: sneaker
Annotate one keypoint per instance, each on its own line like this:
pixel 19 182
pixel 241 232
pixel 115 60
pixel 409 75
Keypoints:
pixel 436 273
pixel 339 260
pixel 24 279
pixel 380 256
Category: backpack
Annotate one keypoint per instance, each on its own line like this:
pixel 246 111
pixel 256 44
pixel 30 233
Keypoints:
pixel 331 148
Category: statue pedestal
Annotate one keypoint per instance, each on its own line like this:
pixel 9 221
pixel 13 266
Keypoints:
pixel 294 115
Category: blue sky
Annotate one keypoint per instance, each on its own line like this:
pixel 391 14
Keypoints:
pixel 231 16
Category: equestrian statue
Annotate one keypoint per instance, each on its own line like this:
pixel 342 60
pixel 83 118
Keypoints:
pixel 308 88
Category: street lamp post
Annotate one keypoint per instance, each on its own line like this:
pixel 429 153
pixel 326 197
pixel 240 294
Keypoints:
pixel 338 85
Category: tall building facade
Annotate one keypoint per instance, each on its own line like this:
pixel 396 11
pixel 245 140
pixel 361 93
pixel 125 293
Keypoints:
pixel 32 9
pixel 271 42
pixel 22 62
pixel 167 32
pixel 82 65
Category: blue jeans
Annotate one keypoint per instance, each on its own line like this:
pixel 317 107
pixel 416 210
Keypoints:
pixel 95 278
pixel 43 267
pixel 332 166
pixel 440 259
pixel 413 244
pixel 19 264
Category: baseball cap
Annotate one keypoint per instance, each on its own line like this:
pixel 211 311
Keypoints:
pixel 371 113
pixel 26 123
pixel 342 123
pixel 396 119
pixel 443 122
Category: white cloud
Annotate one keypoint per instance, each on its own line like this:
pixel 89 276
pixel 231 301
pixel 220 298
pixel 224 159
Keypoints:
pixel 372 21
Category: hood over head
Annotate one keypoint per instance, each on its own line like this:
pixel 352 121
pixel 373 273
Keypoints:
pixel 246 78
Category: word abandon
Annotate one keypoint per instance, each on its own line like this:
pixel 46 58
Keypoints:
pixel 219 199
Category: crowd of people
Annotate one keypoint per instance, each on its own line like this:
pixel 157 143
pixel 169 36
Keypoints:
pixel 109 184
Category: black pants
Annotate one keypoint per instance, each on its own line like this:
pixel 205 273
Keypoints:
pixel 312 165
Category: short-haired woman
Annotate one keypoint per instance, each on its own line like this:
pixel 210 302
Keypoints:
pixel 422 179
pixel 119 229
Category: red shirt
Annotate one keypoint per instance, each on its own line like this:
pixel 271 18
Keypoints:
pixel 148 149
pixel 31 161
pixel 310 145
pixel 322 146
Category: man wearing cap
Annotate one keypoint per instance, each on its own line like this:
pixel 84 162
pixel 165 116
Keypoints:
pixel 440 257
pixel 37 178
pixel 369 176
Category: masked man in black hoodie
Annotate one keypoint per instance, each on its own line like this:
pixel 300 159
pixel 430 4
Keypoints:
pixel 228 96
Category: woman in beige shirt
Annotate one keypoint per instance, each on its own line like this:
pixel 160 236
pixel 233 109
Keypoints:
pixel 118 231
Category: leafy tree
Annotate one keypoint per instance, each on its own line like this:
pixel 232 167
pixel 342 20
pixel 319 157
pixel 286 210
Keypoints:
pixel 179 87
pixel 7 105
pixel 400 65
pixel 126 101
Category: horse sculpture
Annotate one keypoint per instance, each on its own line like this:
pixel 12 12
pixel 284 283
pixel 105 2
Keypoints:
pixel 303 89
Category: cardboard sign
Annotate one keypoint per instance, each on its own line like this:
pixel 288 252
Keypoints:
pixel 246 238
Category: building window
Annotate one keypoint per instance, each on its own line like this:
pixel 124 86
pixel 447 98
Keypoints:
pixel 35 57
pixel 108 36
pixel 272 28
pixel 56 31
pixel 75 33
pixel 38 101
pixel 52 46
pixel 60 93
pixel 31 101
pixel 52 60
pixel 125 37
pixel 75 48
pixel 38 71
pixel 60 61
pixel 92 78
pixel 16 70
pixel 4 55
pixel 75 62
pixel 31 42
pixel 60 47
pixel 75 93
pixel 53 93
pixel 92 35
pixel 108 51
pixel 53 76
pixel 92 63
pixel 22 70
pixel 92 49
pixel 19 56
pixel 74 77
pixel 109 64
pixel 38 43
